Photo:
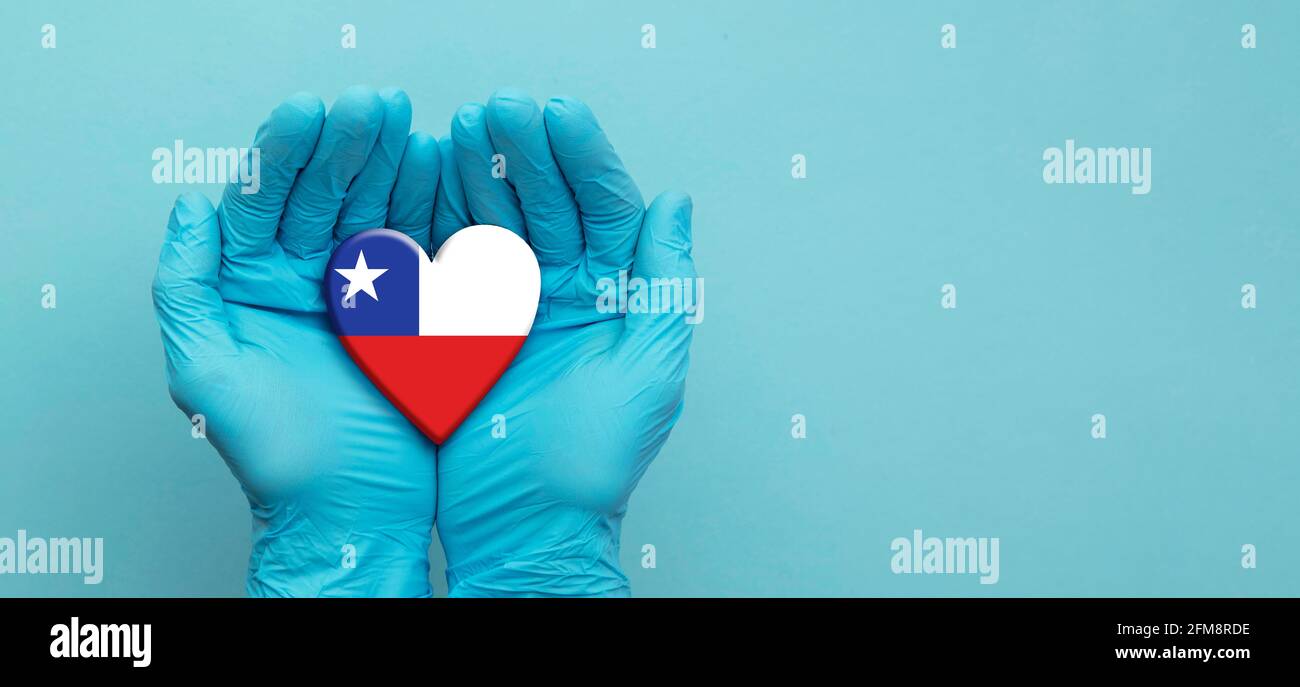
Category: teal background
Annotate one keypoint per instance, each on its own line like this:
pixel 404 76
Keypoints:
pixel 924 168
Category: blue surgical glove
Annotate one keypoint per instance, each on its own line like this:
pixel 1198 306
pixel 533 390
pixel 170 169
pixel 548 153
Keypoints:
pixel 532 488
pixel 341 486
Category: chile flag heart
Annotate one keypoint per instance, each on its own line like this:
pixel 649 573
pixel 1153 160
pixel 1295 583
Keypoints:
pixel 434 336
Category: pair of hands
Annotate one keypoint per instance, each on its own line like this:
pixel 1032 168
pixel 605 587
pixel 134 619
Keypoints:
pixel 343 489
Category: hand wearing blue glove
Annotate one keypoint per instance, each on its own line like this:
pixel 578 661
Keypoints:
pixel 341 486
pixel 535 507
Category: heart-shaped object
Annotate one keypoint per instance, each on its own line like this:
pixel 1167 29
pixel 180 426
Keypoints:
pixel 434 336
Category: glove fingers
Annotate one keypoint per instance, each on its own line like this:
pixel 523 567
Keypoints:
pixel 518 132
pixel 367 201
pixel 410 210
pixel 190 311
pixel 251 212
pixel 491 199
pixel 656 326
pixel 349 133
pixel 451 210
pixel 608 200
